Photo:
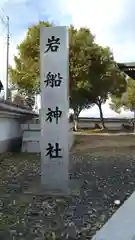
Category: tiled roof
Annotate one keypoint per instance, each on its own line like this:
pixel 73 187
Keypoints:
pixel 12 107
pixel 128 68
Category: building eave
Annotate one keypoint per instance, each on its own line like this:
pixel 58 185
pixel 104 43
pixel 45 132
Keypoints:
pixel 16 109
pixel 128 68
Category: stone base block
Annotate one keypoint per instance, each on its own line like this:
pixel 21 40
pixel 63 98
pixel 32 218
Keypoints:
pixel 31 146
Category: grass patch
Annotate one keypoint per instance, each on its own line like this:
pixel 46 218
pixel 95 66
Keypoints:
pixel 94 130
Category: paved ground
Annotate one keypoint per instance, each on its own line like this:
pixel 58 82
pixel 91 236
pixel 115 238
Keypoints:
pixel 105 170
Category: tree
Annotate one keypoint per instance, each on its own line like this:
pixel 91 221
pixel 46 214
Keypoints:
pixel 24 100
pixel 81 43
pixel 130 95
pixel 105 78
pixel 93 73
pixel 125 100
pixel 79 100
pixel 26 73
pixel 18 100
pixel 25 76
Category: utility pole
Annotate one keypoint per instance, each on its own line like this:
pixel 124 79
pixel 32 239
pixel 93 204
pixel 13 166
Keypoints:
pixel 7 62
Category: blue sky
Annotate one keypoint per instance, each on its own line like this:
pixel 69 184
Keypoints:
pixel 112 22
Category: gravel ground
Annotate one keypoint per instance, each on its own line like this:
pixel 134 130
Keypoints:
pixel 103 176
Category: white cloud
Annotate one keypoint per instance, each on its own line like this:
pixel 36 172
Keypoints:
pixel 103 18
pixel 98 15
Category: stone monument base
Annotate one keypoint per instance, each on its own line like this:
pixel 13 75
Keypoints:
pixel 37 189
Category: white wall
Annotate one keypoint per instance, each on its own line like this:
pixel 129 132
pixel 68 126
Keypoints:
pixel 31 137
pixel 9 128
pixel 82 124
pixel 110 125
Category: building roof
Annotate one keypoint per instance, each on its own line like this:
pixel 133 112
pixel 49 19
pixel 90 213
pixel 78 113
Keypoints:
pixel 11 107
pixel 1 86
pixel 128 68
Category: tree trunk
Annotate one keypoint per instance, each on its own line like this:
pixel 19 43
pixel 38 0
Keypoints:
pixel 75 125
pixel 75 122
pixel 101 115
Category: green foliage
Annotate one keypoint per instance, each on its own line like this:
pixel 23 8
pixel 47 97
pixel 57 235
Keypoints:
pixel 24 100
pixel 131 95
pixel 25 75
pixel 81 43
pixel 126 100
pixel 94 74
pixel 79 100
pixel 116 104
pixel 104 78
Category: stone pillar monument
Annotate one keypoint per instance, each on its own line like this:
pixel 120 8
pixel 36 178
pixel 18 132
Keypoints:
pixel 54 108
